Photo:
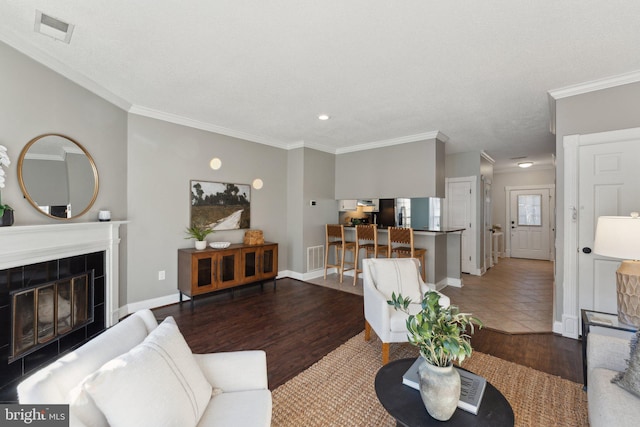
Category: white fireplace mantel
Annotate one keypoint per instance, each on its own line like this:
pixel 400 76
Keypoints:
pixel 31 244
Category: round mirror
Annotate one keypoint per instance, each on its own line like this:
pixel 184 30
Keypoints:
pixel 58 176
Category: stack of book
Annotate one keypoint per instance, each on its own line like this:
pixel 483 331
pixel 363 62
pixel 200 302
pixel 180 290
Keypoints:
pixel 471 386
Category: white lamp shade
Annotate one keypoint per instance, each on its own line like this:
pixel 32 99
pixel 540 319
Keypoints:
pixel 618 237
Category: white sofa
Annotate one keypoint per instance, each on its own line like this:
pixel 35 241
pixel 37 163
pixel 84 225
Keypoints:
pixel 609 404
pixel 141 373
pixel 381 277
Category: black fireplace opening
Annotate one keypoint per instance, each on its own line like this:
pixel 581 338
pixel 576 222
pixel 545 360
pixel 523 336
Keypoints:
pixel 44 313
pixel 28 344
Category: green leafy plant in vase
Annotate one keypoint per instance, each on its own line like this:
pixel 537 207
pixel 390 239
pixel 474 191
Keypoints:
pixel 200 233
pixel 443 336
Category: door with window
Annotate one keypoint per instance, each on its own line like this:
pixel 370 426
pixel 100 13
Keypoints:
pixel 529 222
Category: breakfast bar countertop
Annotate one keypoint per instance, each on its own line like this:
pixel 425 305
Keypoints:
pixel 420 230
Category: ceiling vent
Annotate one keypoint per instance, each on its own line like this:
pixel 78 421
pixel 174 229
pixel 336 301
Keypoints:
pixel 52 27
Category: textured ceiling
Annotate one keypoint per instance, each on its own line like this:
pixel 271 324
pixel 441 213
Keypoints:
pixel 384 70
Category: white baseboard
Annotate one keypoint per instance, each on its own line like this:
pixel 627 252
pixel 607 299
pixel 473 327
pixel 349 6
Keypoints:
pixel 557 327
pixel 569 326
pixel 451 281
pixel 175 298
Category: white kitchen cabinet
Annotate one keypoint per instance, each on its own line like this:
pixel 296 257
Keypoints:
pixel 347 204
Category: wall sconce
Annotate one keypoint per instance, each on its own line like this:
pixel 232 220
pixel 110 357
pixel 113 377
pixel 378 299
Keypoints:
pixel 215 163
pixel 257 183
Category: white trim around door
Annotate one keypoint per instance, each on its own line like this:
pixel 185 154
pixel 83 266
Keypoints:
pixel 571 147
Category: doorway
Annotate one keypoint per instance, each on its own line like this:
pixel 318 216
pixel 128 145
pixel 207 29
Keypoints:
pixel 530 215
pixel 461 213
pixel 601 178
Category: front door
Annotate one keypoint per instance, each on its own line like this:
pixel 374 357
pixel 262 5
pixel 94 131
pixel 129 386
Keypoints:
pixel 609 175
pixel 529 223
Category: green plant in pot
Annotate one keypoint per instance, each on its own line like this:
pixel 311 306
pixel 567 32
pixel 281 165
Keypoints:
pixel 200 233
pixel 443 336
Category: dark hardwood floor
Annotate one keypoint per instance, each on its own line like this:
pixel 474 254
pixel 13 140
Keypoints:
pixel 298 323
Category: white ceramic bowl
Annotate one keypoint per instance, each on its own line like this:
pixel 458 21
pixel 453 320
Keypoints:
pixel 219 245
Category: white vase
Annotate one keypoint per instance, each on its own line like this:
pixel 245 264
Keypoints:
pixel 440 390
pixel 201 244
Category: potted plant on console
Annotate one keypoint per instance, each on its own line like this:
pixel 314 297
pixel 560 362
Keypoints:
pixel 200 233
pixel 6 211
pixel 443 336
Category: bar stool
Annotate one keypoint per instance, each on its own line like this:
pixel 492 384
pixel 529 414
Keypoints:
pixel 335 239
pixel 404 237
pixel 368 234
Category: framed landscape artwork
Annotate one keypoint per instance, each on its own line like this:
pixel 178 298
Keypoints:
pixel 220 205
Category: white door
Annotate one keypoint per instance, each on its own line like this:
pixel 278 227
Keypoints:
pixel 487 221
pixel 609 175
pixel 460 203
pixel 529 223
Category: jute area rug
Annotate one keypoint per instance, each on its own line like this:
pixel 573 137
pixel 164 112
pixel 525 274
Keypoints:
pixel 339 390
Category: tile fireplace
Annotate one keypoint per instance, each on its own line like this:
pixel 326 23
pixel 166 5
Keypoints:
pixel 58 289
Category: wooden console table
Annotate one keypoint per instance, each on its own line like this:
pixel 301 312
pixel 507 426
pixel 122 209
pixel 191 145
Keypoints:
pixel 210 270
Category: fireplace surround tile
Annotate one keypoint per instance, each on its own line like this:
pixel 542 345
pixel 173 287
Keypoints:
pixel 17 278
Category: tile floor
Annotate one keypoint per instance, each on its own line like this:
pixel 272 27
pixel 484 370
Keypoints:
pixel 514 296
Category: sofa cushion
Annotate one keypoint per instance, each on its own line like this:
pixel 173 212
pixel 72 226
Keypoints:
pixel 630 378
pixel 53 383
pixel 399 276
pixel 83 408
pixel 156 383
pixel 232 409
pixel 609 405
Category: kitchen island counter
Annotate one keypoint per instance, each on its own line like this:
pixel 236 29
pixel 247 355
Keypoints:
pixel 443 253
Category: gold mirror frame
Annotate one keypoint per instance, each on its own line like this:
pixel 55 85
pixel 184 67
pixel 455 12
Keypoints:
pixel 25 192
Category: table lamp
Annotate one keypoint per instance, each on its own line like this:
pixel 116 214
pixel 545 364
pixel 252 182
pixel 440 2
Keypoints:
pixel 619 237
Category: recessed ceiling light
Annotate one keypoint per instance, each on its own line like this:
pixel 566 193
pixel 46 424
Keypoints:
pixel 525 164
pixel 324 117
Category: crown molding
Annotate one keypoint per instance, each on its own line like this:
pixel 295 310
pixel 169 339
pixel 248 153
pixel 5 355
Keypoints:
pixel 395 141
pixel 582 88
pixel 592 86
pixel 80 79
pixel 196 124
pixel 312 145
pixel 487 157
pixel 63 69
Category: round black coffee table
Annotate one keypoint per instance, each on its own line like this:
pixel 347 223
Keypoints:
pixel 405 404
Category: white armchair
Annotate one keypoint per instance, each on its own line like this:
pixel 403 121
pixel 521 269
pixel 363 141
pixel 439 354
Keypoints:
pixel 381 278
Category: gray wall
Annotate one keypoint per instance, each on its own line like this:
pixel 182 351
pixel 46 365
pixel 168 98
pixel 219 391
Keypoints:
pixel 36 100
pixel 599 111
pixel 319 184
pixel 501 180
pixel 295 208
pixel 460 165
pixel 163 158
pixel 406 170
pixel 81 188
pixel 42 178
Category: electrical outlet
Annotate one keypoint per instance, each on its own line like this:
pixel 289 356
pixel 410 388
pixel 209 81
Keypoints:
pixel 161 275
